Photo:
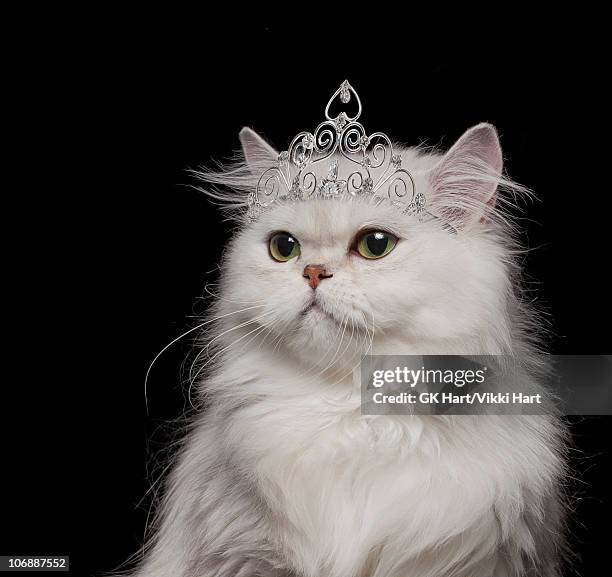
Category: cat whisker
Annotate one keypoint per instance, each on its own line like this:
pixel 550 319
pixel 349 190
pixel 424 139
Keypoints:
pixel 244 324
pixel 207 347
pixel 177 339
pixel 219 297
pixel 366 335
pixel 268 333
pixel 211 359
pixel 277 342
pixel 350 340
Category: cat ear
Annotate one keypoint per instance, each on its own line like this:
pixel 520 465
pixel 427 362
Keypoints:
pixel 256 150
pixel 465 180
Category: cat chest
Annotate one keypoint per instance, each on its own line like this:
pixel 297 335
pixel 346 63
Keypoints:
pixel 359 485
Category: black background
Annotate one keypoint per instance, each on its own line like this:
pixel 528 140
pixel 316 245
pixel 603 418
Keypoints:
pixel 112 248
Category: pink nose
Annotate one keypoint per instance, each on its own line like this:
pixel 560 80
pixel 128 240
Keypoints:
pixel 315 273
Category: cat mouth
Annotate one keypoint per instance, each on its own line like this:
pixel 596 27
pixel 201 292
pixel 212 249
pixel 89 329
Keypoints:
pixel 314 310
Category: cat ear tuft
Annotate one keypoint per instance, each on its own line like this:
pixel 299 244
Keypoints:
pixel 256 150
pixel 466 178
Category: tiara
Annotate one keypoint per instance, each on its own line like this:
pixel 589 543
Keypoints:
pixel 372 168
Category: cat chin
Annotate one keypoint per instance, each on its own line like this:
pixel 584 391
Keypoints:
pixel 317 333
pixel 324 341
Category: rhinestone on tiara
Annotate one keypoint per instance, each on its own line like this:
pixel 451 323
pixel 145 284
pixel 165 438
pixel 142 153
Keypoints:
pixel 374 170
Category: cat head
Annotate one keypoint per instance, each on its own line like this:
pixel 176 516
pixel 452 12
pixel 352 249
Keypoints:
pixel 336 277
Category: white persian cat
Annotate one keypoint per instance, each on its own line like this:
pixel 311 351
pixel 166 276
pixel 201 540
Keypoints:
pixel 280 474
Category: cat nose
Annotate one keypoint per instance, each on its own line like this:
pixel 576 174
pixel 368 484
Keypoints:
pixel 314 273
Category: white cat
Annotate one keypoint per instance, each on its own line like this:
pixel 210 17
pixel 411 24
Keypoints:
pixel 280 474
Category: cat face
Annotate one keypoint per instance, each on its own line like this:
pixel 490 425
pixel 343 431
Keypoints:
pixel 431 285
pixel 317 295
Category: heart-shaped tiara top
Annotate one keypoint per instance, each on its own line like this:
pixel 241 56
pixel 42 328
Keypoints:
pixel 373 170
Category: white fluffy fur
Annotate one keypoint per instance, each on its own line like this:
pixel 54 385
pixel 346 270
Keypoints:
pixel 280 475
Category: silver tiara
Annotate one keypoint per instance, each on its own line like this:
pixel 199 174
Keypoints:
pixel 374 170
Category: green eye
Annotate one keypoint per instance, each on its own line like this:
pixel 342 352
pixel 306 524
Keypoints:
pixel 284 247
pixel 375 244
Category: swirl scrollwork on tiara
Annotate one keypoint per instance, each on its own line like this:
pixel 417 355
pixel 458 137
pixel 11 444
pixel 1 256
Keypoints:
pixel 311 166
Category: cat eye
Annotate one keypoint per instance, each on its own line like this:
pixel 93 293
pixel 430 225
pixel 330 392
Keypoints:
pixel 283 247
pixel 375 244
